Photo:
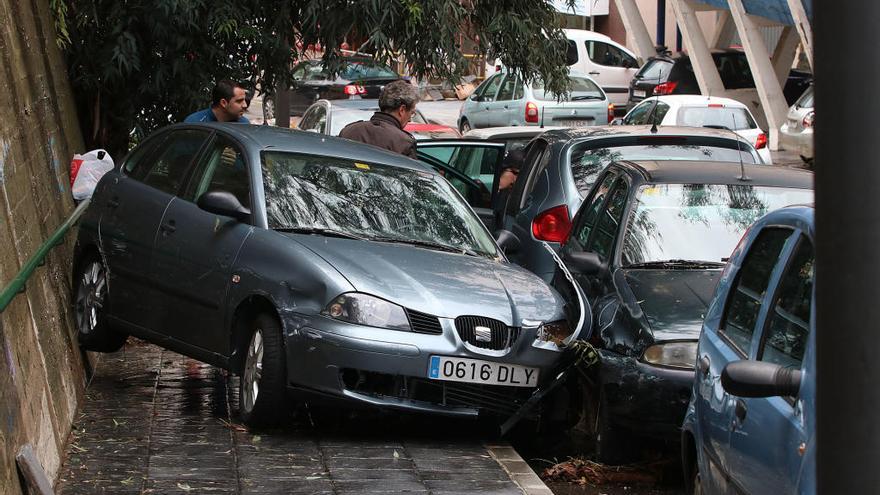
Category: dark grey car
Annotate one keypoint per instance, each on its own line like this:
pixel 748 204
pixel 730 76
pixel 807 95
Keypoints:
pixel 313 263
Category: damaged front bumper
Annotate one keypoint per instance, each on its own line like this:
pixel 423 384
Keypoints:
pixel 389 368
pixel 646 399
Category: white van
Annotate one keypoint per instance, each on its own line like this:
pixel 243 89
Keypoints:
pixel 610 64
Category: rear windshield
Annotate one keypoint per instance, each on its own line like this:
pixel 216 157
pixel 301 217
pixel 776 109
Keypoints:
pixel 581 89
pixel 589 159
pixel 735 119
pixel 806 99
pixel 349 70
pixel 655 69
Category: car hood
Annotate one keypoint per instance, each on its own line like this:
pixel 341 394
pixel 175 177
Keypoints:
pixel 439 283
pixel 674 302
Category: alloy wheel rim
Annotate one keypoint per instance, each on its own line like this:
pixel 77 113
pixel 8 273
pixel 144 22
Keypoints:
pixel 90 297
pixel 253 370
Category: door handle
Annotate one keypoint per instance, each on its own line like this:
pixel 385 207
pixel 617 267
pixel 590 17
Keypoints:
pixel 113 202
pixel 705 365
pixel 594 73
pixel 168 227
pixel 739 412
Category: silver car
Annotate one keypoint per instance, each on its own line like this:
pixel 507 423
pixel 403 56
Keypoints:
pixel 504 100
pixel 796 134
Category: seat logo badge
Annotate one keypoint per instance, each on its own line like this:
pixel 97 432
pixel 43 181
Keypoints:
pixel 483 334
pixel 236 279
pixel 574 112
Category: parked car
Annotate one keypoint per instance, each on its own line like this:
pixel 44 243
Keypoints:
pixel 609 63
pixel 329 117
pixel 357 77
pixel 263 251
pixel 504 100
pixel 674 75
pixel 513 137
pixel 796 133
pixel 751 423
pixel 561 166
pixel 701 111
pixel 647 248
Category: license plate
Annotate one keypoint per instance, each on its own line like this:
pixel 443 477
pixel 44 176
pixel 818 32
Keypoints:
pixel 580 123
pixel 455 369
pixel 638 93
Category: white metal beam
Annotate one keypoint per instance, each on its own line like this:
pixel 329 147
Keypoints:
pixel 769 89
pixel 636 31
pixel 724 30
pixel 697 48
pixel 802 23
pixel 783 56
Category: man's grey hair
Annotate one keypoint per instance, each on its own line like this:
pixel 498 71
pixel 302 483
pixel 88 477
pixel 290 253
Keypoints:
pixel 398 93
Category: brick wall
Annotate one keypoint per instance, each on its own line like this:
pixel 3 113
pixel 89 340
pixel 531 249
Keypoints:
pixel 41 369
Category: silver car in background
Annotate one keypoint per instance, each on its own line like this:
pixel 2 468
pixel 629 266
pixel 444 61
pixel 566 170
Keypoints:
pixel 504 100
pixel 796 134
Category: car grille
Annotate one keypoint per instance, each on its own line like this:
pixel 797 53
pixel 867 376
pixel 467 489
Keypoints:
pixel 423 322
pixel 500 335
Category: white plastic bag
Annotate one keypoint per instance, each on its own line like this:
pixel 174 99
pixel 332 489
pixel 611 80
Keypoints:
pixel 93 166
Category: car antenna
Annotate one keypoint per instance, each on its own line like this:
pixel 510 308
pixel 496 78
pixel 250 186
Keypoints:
pixel 742 169
pixel 654 123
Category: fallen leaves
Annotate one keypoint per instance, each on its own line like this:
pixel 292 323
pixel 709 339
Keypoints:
pixel 586 472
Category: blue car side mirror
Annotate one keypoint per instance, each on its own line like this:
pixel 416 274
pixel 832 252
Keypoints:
pixel 223 203
pixel 757 379
pixel 507 241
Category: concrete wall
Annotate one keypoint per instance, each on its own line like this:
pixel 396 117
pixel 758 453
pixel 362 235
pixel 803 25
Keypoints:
pixel 41 369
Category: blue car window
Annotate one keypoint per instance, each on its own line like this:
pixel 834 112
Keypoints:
pixel 222 168
pixel 749 290
pixel 591 211
pixel 608 222
pixel 169 170
pixel 786 335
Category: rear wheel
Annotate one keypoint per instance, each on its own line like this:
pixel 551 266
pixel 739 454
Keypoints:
pixel 89 307
pixel 261 394
pixel 465 126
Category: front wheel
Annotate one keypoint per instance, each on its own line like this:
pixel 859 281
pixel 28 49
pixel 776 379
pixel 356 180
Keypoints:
pixel 261 393
pixel 89 307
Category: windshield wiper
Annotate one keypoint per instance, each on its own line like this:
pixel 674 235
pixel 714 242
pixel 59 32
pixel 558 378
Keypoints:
pixel 677 264
pixel 428 244
pixel 321 231
pixel 586 97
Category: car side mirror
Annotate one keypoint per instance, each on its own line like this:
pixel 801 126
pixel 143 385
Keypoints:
pixel 617 121
pixel 507 241
pixel 748 378
pixel 223 203
pixel 476 98
pixel 584 262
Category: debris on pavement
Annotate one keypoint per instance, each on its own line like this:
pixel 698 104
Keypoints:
pixel 587 472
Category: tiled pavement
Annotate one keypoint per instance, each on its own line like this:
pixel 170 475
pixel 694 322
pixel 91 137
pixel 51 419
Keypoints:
pixel 158 422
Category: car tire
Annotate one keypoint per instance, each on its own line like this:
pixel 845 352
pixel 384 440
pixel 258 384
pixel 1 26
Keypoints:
pixel 464 126
pixel 261 391
pixel 89 308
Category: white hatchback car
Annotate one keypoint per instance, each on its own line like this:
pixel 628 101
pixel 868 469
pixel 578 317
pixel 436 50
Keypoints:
pixel 701 111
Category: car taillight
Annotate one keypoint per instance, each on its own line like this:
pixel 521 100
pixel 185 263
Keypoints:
pixel 761 142
pixel 531 112
pixel 552 225
pixel 353 90
pixel 808 120
pixel 666 88
pixel 610 112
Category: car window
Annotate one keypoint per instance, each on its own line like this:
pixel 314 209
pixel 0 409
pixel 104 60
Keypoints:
pixel 734 70
pixel 170 168
pixel 590 213
pixel 640 113
pixel 519 92
pixel 137 163
pixel 604 54
pixel 221 168
pixel 355 70
pixel 660 111
pixel 299 72
pixel 315 119
pixel 655 69
pixel 476 163
pixel 607 223
pixel 531 163
pixel 581 89
pixel 732 118
pixel 785 336
pixel 806 99
pixel 491 88
pixel 506 91
pixel 750 287
pixel 571 53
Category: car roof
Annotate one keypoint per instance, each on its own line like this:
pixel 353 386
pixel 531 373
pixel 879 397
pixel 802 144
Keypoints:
pixel 271 138
pixel 710 172
pixel 697 100
pixel 606 131
pixel 509 132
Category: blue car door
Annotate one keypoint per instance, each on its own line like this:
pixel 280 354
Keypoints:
pixel 195 251
pixel 478 109
pixel 729 338
pixel 768 435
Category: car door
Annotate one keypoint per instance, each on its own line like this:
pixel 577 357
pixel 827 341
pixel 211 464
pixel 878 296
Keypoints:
pixel 732 341
pixel 499 110
pixel 136 202
pixel 471 167
pixel 768 435
pixel 195 250
pixel 612 68
pixel 518 211
pixel 479 114
pixel 315 119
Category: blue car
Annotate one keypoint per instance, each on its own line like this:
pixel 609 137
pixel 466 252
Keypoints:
pixel 750 426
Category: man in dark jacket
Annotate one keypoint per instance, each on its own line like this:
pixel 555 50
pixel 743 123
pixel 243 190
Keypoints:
pixel 397 104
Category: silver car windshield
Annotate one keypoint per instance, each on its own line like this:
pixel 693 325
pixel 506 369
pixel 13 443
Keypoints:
pixel 368 201
pixel 698 222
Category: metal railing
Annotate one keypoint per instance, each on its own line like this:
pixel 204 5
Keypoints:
pixel 17 285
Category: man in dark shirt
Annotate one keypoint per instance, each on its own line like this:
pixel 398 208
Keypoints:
pixel 228 104
pixel 397 104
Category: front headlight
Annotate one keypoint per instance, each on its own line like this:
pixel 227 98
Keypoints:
pixel 364 309
pixel 672 354
pixel 554 331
